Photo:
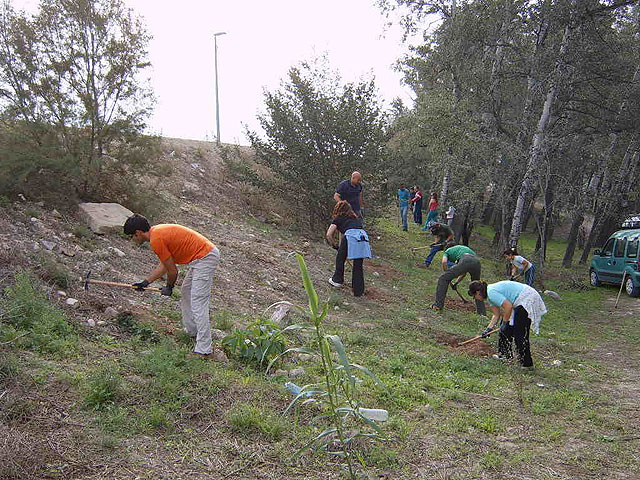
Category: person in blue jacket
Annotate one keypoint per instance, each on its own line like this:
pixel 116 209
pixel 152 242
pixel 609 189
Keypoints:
pixel 354 246
pixel 403 202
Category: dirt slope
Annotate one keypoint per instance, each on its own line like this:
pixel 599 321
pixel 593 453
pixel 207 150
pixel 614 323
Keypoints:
pixel 256 267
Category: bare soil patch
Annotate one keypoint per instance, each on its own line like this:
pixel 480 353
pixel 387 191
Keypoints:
pixel 479 348
pixel 457 304
pixel 377 294
pixel 387 272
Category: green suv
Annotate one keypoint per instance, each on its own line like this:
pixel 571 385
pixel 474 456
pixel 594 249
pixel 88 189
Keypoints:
pixel 618 260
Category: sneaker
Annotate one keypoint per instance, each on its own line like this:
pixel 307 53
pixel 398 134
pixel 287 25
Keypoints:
pixel 497 356
pixel 202 356
pixel 528 368
pixel 335 284
pixel 435 307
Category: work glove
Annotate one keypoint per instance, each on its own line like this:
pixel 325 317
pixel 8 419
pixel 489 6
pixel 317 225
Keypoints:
pixel 140 286
pixel 454 286
pixel 512 278
pixel 335 247
pixel 167 290
pixel 486 332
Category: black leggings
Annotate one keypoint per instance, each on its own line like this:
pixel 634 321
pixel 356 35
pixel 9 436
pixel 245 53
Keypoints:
pixel 357 275
pixel 518 332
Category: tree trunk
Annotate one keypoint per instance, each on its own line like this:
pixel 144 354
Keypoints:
pixel 446 179
pixel 609 208
pixel 572 239
pixel 539 139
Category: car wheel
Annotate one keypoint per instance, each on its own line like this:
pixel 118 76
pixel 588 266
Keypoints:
pixel 632 289
pixel 593 277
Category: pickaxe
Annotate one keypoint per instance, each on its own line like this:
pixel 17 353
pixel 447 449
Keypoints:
pixel 454 287
pixel 478 336
pixel 87 281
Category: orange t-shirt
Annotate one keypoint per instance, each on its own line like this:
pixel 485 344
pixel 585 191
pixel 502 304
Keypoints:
pixel 181 243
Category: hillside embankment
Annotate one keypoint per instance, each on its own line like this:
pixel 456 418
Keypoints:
pixel 102 387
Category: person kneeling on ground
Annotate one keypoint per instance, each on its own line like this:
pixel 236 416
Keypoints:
pixel 517 306
pixel 175 244
pixel 520 266
pixel 463 260
pixel 444 236
pixel 354 246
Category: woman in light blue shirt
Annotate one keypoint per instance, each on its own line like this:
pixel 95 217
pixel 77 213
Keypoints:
pixel 517 305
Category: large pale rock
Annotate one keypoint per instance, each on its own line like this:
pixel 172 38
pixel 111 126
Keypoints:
pixel 104 217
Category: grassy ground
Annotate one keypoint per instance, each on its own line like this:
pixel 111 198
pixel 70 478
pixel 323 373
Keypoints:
pixel 134 405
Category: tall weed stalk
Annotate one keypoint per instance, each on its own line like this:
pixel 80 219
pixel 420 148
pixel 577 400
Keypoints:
pixel 336 394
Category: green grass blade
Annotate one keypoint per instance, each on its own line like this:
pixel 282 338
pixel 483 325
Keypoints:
pixel 308 286
pixel 369 373
pixel 328 431
pixel 342 353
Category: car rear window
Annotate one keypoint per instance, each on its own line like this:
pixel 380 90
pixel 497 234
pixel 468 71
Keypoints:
pixel 632 249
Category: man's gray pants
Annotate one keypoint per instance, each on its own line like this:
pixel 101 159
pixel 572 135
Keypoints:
pixel 196 294
pixel 467 264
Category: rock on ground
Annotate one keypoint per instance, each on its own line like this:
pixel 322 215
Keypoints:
pixel 104 217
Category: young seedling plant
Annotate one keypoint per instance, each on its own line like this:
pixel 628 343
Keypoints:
pixel 336 394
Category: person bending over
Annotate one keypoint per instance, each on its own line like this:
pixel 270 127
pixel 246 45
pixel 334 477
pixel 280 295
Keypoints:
pixel 354 246
pixel 457 261
pixel 175 244
pixel 520 266
pixel 518 307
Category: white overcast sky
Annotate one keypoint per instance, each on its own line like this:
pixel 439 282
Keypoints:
pixel 264 39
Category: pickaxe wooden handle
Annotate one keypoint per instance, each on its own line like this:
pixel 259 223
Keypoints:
pixel 87 281
pixel 123 285
pixel 454 287
pixel 477 337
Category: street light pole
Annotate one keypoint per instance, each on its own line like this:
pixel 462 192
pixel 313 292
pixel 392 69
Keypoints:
pixel 215 54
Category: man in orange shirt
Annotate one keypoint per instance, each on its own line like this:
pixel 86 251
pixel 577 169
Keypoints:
pixel 175 244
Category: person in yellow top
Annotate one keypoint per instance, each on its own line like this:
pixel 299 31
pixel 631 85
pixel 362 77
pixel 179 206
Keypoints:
pixel 178 245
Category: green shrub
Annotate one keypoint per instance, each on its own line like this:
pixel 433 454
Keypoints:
pixel 128 323
pixel 223 320
pixel 262 341
pixel 169 371
pixel 31 212
pixel 247 418
pixel 54 272
pixel 103 387
pixel 8 368
pixel 4 201
pixel 80 231
pixel 32 321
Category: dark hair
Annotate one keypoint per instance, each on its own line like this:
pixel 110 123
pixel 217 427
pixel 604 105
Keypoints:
pixel 510 251
pixel 434 226
pixel 478 286
pixel 136 222
pixel 343 209
pixel 434 195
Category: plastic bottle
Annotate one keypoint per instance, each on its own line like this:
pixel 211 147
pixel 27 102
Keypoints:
pixel 293 388
pixel 377 414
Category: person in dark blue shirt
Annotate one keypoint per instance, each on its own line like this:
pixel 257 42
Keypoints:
pixel 351 191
